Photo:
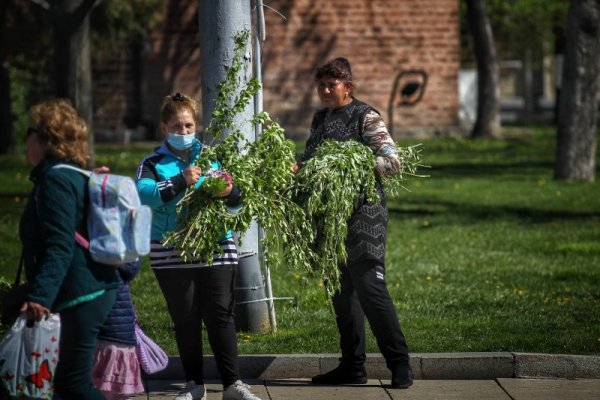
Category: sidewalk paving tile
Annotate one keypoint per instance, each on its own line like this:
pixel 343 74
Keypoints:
pixel 168 389
pixel 301 389
pixel 450 390
pixel 552 389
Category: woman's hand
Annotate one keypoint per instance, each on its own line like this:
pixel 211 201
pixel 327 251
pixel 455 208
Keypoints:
pixel 35 311
pixel 101 170
pixel 191 175
pixel 227 191
pixel 295 168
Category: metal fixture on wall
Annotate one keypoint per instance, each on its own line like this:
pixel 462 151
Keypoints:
pixel 408 90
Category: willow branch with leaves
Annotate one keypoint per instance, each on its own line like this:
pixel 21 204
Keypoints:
pixel 304 215
pixel 262 170
pixel 328 188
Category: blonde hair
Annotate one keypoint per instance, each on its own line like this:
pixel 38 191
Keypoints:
pixel 173 105
pixel 63 131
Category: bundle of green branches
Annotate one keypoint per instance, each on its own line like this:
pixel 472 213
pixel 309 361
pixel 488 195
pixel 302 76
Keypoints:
pixel 262 170
pixel 328 188
pixel 304 215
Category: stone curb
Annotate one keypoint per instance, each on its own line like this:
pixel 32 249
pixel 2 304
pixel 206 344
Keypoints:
pixel 425 366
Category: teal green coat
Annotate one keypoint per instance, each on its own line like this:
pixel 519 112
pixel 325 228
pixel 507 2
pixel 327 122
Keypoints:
pixel 60 270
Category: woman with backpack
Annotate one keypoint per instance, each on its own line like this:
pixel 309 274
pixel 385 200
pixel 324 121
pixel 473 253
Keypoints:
pixel 194 291
pixel 63 276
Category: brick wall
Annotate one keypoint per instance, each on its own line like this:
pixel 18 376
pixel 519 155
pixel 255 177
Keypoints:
pixel 389 43
pixel 129 87
pixel 381 39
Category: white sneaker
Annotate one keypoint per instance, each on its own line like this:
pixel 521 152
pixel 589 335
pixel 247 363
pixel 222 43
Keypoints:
pixel 192 392
pixel 239 391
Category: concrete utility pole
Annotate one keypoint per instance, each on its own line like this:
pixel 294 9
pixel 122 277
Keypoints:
pixel 220 21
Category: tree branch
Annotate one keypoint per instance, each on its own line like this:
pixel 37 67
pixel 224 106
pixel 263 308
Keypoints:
pixel 42 3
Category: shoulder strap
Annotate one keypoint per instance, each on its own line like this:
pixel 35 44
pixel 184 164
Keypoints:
pixel 67 166
pixel 79 238
pixel 19 269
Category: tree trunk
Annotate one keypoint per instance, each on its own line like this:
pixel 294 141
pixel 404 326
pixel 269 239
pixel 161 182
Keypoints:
pixel 73 59
pixel 5 118
pixel 487 123
pixel 576 135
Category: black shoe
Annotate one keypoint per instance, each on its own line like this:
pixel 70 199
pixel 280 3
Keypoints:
pixel 402 377
pixel 342 375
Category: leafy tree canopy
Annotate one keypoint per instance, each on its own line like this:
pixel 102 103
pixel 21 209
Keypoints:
pixel 520 25
pixel 118 20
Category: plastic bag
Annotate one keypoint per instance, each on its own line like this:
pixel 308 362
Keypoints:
pixel 28 357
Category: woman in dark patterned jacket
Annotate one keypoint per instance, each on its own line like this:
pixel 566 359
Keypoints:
pixel 363 287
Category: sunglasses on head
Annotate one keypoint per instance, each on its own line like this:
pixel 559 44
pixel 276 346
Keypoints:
pixel 32 131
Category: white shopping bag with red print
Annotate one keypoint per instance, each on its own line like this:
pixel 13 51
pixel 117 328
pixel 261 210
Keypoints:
pixel 28 357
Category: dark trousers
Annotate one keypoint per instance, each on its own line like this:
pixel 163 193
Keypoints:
pixel 79 327
pixel 363 293
pixel 196 295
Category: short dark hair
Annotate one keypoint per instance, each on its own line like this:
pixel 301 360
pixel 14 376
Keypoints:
pixel 338 68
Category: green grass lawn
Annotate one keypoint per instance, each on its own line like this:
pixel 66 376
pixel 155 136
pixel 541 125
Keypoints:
pixel 489 253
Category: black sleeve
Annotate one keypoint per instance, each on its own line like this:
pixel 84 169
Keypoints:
pixel 167 189
pixel 171 187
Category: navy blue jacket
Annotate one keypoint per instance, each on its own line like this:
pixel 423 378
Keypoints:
pixel 120 323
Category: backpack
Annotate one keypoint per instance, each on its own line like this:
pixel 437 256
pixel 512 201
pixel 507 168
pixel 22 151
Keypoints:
pixel 118 225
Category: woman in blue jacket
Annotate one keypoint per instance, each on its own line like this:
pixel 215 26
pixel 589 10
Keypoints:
pixel 194 292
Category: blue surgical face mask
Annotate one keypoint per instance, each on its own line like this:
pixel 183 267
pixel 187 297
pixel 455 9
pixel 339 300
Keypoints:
pixel 181 142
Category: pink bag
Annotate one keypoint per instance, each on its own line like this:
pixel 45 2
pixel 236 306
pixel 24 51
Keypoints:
pixel 152 357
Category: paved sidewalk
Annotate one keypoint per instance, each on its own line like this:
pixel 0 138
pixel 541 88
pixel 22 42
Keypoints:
pixel 438 376
pixel 497 389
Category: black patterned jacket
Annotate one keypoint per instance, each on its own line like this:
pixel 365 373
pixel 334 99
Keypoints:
pixel 367 227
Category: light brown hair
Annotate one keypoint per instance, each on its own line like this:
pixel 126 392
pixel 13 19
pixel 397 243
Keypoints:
pixel 173 105
pixel 64 132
